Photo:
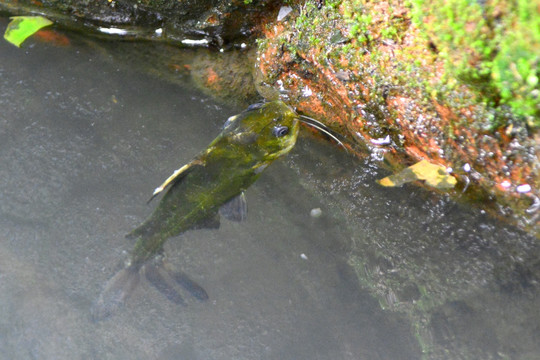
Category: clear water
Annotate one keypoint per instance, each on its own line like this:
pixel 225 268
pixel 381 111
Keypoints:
pixel 381 274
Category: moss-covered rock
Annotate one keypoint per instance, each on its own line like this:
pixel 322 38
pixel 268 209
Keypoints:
pixel 444 81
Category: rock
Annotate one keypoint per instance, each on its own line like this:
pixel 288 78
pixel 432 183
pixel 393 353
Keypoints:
pixel 211 23
pixel 385 71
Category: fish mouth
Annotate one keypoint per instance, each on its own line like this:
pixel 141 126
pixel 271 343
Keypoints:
pixel 323 129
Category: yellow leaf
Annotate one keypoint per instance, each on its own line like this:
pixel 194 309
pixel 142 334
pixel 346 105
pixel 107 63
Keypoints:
pixel 434 175
pixel 387 181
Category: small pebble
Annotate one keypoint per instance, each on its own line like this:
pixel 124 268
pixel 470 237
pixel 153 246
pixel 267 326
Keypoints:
pixel 315 213
pixel 303 256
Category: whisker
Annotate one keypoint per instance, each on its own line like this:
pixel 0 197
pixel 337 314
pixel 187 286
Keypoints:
pixel 314 121
pixel 322 128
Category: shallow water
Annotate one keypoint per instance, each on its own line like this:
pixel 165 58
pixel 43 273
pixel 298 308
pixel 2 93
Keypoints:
pixel 381 274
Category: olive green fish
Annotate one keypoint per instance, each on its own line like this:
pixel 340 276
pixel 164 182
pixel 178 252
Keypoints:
pixel 213 183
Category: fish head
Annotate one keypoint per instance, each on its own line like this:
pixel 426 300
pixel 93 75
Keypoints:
pixel 269 130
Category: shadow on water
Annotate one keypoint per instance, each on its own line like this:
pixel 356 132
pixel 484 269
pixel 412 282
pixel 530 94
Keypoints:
pixel 381 274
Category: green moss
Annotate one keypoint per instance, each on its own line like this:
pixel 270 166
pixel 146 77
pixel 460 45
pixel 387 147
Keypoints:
pixel 360 20
pixel 493 47
pixel 516 68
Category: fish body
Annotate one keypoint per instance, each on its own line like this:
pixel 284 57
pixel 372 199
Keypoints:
pixel 195 193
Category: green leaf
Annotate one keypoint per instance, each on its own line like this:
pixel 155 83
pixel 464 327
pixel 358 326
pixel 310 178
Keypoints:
pixel 434 176
pixel 21 27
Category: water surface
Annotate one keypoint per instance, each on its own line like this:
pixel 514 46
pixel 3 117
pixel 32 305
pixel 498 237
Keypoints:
pixel 381 274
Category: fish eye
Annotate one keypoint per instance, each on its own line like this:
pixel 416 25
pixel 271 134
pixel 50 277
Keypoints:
pixel 280 130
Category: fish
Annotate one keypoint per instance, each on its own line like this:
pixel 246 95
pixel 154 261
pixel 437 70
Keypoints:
pixel 197 195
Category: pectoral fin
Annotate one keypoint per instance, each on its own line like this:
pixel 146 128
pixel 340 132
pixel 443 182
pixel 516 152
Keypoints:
pixel 235 209
pixel 177 175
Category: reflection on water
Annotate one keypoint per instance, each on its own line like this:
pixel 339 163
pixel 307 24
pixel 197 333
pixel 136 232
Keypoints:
pixel 381 274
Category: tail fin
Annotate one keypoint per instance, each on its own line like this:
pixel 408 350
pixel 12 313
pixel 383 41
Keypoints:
pixel 160 275
pixel 115 293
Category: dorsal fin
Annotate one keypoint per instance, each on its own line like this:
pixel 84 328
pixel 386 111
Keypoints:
pixel 176 175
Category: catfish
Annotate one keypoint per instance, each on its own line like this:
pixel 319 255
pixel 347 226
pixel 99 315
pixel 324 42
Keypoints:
pixel 197 194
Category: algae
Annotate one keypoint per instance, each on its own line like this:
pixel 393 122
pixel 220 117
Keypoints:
pixel 492 47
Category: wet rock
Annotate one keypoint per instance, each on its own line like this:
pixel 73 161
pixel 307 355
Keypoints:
pixel 211 23
pixel 382 70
